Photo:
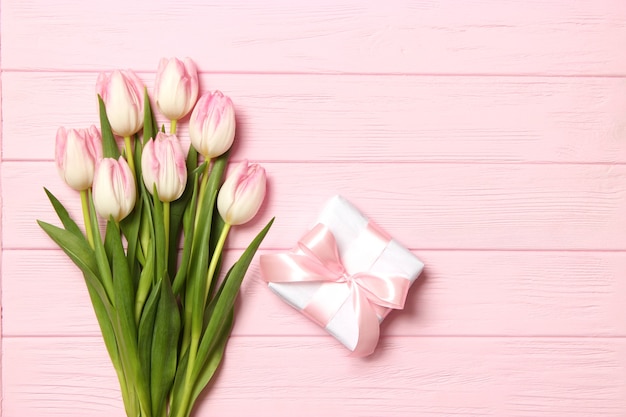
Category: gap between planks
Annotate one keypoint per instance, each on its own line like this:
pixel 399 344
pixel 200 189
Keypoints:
pixel 323 336
pixel 335 73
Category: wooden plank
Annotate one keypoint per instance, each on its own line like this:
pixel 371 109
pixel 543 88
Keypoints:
pixel 460 293
pixel 363 118
pixel 2 376
pixel 396 36
pixel 425 206
pixel 309 376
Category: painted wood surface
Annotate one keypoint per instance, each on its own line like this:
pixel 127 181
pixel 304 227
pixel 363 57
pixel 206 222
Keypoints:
pixel 487 136
pixel 356 118
pixel 282 36
pixel 486 293
pixel 311 376
pixel 434 206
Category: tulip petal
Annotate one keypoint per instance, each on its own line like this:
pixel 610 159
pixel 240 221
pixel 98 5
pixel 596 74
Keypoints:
pixel 242 194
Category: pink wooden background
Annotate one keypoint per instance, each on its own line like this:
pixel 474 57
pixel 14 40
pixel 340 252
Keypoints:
pixel 488 136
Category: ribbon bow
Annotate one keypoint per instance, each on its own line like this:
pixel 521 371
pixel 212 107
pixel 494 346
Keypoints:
pixel 316 259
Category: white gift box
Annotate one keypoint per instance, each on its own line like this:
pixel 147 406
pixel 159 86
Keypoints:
pixel 360 249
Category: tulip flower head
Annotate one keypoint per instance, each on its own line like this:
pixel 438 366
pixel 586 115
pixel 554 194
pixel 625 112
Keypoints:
pixel 77 153
pixel 163 165
pixel 114 190
pixel 212 125
pixel 241 196
pixel 122 93
pixel 176 87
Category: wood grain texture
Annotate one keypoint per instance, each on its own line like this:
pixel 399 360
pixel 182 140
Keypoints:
pixel 487 136
pixel 1 228
pixel 395 36
pixel 364 118
pixel 432 206
pixel 411 376
pixel 461 293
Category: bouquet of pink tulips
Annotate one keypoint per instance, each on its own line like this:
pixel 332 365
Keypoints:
pixel 165 318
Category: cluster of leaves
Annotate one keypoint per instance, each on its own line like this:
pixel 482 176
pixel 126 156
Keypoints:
pixel 164 324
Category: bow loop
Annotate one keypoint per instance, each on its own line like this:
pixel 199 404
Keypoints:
pixel 320 243
pixel 316 259
pixel 386 292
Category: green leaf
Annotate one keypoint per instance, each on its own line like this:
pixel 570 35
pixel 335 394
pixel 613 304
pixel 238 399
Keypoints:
pixel 146 330
pixel 104 314
pixel 124 298
pixel 124 293
pixel 78 250
pixel 130 227
pixel 104 268
pixel 159 233
pixel 178 389
pixel 225 302
pixel 146 279
pixel 124 303
pixel 137 152
pixel 145 310
pixel 177 211
pixel 164 348
pixel 217 173
pixel 196 279
pixel 146 229
pixel 69 224
pixel 109 145
pixel 199 169
pixel 188 232
pixel 213 360
pixel 149 124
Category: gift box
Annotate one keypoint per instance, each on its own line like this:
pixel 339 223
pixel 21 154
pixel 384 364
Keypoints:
pixel 346 274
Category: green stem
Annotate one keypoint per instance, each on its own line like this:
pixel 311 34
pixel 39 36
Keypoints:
pixel 144 232
pixel 195 335
pixel 215 259
pixel 204 182
pixel 195 330
pixel 129 155
pixel 166 226
pixel 85 203
pixel 203 185
pixel 173 127
pixel 105 272
pixel 193 351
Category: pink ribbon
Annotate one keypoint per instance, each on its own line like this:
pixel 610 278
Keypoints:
pixel 316 259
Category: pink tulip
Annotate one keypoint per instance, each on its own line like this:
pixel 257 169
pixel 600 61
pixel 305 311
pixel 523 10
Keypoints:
pixel 77 153
pixel 241 195
pixel 212 125
pixel 114 190
pixel 122 93
pixel 163 165
pixel 176 87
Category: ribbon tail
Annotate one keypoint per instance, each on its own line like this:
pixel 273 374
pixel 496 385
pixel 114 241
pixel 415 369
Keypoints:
pixel 368 324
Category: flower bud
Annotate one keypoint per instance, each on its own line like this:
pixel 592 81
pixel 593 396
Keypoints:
pixel 212 125
pixel 122 93
pixel 114 190
pixel 241 195
pixel 163 165
pixel 176 87
pixel 77 153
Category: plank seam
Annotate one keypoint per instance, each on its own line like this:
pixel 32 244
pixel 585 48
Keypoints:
pixel 385 161
pixel 338 73
pixel 323 336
